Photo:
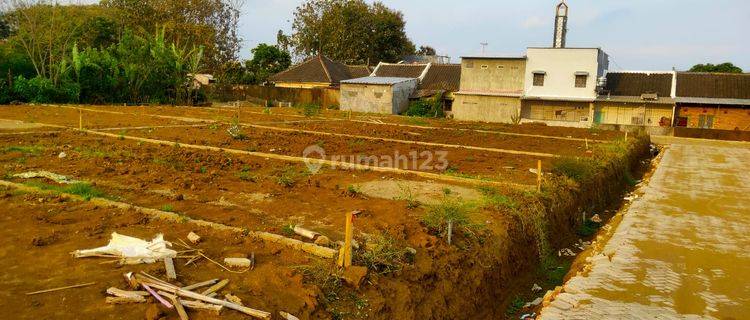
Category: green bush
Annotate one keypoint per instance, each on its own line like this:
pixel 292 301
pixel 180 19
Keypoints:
pixel 42 90
pixel 432 107
pixel 577 169
pixel 450 209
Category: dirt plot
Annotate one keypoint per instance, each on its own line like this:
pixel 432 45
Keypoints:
pixel 263 192
pixel 482 164
pixel 45 229
pixel 69 117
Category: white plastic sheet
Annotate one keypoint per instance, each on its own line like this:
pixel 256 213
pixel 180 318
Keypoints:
pixel 131 250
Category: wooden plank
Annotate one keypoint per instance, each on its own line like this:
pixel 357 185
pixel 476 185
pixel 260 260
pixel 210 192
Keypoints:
pixel 169 265
pixel 62 288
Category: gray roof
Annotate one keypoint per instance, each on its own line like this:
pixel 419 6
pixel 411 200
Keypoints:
pixel 634 99
pixel 378 80
pixel 737 102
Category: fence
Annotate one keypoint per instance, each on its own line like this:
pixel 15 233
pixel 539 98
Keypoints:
pixel 324 97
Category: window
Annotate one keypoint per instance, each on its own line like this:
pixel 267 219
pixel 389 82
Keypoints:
pixel 538 79
pixel 581 80
pixel 379 94
pixel 500 67
pixel 485 67
pixel 469 64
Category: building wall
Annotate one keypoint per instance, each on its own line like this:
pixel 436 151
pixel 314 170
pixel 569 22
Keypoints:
pixel 645 114
pixel 723 117
pixel 302 85
pixel 557 113
pixel 377 98
pixel 492 75
pixel 468 107
pixel 560 66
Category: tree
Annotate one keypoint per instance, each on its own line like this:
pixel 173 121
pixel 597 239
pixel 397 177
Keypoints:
pixel 726 67
pixel 46 32
pixel 4 27
pixel 426 51
pixel 351 31
pixel 267 60
pixel 208 23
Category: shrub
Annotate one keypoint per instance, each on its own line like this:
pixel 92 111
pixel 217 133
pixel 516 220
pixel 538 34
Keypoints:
pixel 310 109
pixel 382 255
pixel 432 107
pixel 577 169
pixel 493 199
pixel 450 209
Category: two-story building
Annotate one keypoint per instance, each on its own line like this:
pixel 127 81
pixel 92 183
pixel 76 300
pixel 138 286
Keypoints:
pixel 560 85
pixel 490 89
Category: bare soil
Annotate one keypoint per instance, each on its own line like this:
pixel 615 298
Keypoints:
pixel 465 280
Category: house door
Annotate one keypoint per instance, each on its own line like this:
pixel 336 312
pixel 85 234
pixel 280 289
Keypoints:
pixel 598 115
pixel 705 121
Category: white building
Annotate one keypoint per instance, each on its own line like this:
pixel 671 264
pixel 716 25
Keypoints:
pixel 560 85
pixel 385 95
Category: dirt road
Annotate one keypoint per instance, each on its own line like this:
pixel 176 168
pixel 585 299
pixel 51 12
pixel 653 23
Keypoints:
pixel 681 250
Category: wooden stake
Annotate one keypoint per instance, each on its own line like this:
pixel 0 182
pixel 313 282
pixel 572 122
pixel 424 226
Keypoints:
pixel 350 114
pixel 61 288
pixel 80 119
pixel 539 175
pixel 626 135
pixel 345 254
pixel 587 143
pixel 169 265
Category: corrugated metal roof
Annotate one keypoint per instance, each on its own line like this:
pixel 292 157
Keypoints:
pixel 636 84
pixel 552 98
pixel 633 99
pixel 378 80
pixel 713 85
pixel 736 102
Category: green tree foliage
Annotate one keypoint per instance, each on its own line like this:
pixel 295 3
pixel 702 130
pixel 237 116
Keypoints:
pixel 267 61
pixel 45 32
pixel 4 27
pixel 426 51
pixel 351 31
pixel 208 23
pixel 726 67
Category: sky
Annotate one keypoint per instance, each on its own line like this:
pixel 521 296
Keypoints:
pixel 637 34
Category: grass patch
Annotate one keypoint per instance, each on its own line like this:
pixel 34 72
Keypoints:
pixel 289 176
pixel 382 255
pixel 588 228
pixel 554 270
pixel 353 191
pixel 416 121
pixel 91 153
pixel 288 229
pixel 309 109
pixel 493 199
pixel 460 213
pixel 408 196
pixel 515 306
pixel 27 150
pixel 579 170
pixel 81 189
pixel 246 175
pixel 167 208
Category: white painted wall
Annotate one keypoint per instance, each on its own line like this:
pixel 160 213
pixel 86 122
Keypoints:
pixel 560 66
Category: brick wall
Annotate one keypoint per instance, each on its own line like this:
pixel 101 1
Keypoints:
pixel 722 117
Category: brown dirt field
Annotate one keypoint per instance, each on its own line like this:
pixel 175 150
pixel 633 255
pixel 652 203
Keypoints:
pixel 490 165
pixel 472 278
pixel 258 114
pixel 45 229
pixel 63 116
